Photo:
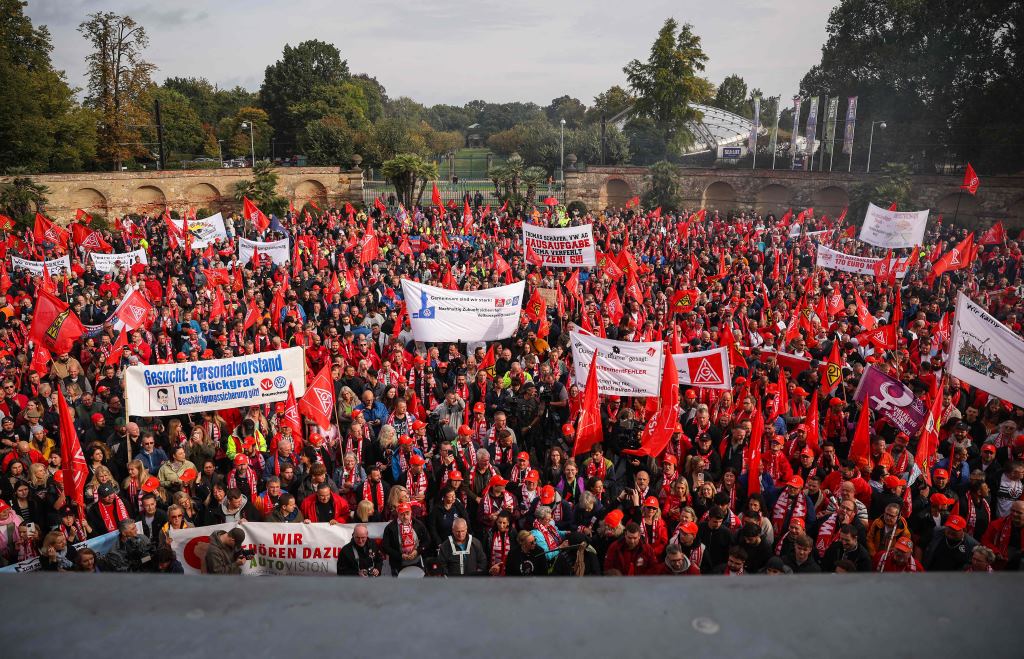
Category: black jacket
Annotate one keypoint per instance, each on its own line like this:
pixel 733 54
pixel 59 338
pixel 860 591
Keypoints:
pixel 354 559
pixel 391 543
pixel 519 564
pixel 836 553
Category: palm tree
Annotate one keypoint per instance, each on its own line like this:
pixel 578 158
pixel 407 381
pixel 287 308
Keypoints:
pixel 262 189
pixel 409 173
pixel 510 177
pixel 21 197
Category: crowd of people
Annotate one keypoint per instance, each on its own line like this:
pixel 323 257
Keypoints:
pixel 473 467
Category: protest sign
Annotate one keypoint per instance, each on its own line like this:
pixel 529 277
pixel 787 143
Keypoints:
pixel 439 314
pixel 830 259
pixel 124 261
pixel 708 369
pixel 892 399
pixel 56 266
pixel 894 229
pixel 101 544
pixel 214 384
pixel 985 353
pixel 277 250
pixel 207 230
pixel 560 247
pixel 624 368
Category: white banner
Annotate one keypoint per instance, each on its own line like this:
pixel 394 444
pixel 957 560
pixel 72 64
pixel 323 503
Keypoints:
pixel 107 262
pixel 438 314
pixel 55 266
pixel 561 247
pixel 861 265
pixel 624 368
pixel 207 230
pixel 895 229
pixel 708 369
pixel 293 549
pixel 277 250
pixel 794 231
pixel 214 384
pixel 985 353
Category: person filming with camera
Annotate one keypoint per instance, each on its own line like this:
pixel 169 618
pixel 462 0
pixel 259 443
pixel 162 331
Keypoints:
pixel 224 554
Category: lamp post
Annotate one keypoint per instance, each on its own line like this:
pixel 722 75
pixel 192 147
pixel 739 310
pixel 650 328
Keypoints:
pixel 561 150
pixel 220 152
pixel 871 140
pixel 252 140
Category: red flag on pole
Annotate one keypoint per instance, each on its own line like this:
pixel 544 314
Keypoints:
pixel 46 231
pixel 588 428
pixel 54 325
pixel 118 348
pixel 753 451
pixel 291 414
pixel 971 181
pixel 995 235
pixel 813 425
pixel 134 309
pixel 435 198
pixel 860 448
pixel 665 421
pixel 957 258
pixel 255 215
pixel 252 314
pixel 928 444
pixel 73 467
pixel 318 401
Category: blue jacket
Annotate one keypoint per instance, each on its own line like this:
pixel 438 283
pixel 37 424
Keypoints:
pixel 152 461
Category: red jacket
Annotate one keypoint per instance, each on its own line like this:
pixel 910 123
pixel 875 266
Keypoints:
pixel 629 562
pixel 661 570
pixel 341 509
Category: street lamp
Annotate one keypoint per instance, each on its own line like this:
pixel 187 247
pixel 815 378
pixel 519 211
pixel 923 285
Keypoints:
pixel 561 149
pixel 871 140
pixel 252 142
pixel 220 152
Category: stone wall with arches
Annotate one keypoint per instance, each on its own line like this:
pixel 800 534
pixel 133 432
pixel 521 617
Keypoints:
pixel 119 193
pixel 774 191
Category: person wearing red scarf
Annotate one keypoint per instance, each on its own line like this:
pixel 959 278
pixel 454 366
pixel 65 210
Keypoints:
pixel 405 540
pixel 898 559
pixel 325 505
pixel 628 555
pixel 1005 537
pixel 499 542
pixel 104 515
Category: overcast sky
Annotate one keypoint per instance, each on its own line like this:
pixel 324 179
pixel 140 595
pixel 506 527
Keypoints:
pixel 450 51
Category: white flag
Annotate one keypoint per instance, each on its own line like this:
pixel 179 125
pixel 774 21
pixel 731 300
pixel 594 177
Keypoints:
pixel 985 353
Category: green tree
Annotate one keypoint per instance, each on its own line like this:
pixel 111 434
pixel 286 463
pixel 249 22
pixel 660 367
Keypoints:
pixel 894 185
pixel 328 141
pixel 732 96
pixel 517 182
pixel 585 143
pixel 41 126
pixel 294 78
pixel 944 75
pixel 237 139
pixel 118 77
pixel 409 173
pixel 609 103
pixel 262 189
pixel 665 188
pixel 21 197
pixel 449 117
pixel 184 136
pixel 668 81
pixel 568 108
pixel 374 93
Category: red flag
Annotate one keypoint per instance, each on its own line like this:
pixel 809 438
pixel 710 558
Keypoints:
pixel 500 266
pixel 291 417
pixel 6 223
pixel 467 217
pixel 588 428
pixel 635 201
pixel 832 370
pixel 399 321
pixel 536 307
pixel 995 235
pixel 860 448
pixel 726 338
pixel 252 314
pixel 405 247
pixel 813 425
pixel 664 422
pixel 892 206
pixel 187 237
pixel 881 267
pixel 73 467
pixel 46 231
pixel 928 444
pixel 217 276
pixel 971 181
pixel 40 361
pixel 217 308
pixel 255 215
pixel 753 451
pixel 572 286
pixel 613 306
pixel 882 337
pixel 370 250
pixel 850 231
pixel 351 285
pixel 488 363
pixel 633 288
pixel 379 205
pixel 533 257
pixel 435 198
pixel 864 317
pixel 448 280
pixel 607 266
pixel 957 258
pixel 54 325
pixel 550 201
pixel 504 207
pixel 445 244
pixel 333 287
pixel 118 348
pixel 134 309
pixel 318 401
pixel 82 216
pixel 46 282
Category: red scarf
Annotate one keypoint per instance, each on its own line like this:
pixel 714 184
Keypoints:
pixel 783 505
pixel 417 485
pixel 1002 540
pixel 250 479
pixel 352 447
pixel 550 534
pixel 828 534
pixel 972 512
pixel 408 538
pixel 112 513
pixel 490 506
pixel 500 545
pixel 374 493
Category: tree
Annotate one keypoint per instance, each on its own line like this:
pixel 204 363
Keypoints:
pixel 21 197
pixel 184 136
pixel 237 138
pixel 568 108
pixel 732 96
pixel 585 143
pixel 449 117
pixel 668 82
pixel 409 173
pixel 328 141
pixel 609 103
pixel 262 189
pixel 41 126
pixel 945 76
pixel 893 186
pixel 664 190
pixel 294 78
pixel 518 182
pixel 117 79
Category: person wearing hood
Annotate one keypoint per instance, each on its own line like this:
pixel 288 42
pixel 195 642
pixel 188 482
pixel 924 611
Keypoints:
pixel 676 564
pixel 236 507
pixel 221 553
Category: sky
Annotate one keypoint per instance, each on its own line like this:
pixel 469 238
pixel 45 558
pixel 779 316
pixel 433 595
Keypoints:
pixel 454 51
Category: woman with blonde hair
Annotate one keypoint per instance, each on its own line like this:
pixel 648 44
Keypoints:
pixel 398 494
pixel 56 554
pixel 188 507
pixel 132 485
pixel 175 520
pixel 101 476
pixel 38 478
pixel 365 513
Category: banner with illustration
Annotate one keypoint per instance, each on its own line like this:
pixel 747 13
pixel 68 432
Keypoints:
pixel 985 353
pixel 893 229
pixel 277 250
pixel 442 315
pixel 207 230
pixel 892 399
pixel 708 369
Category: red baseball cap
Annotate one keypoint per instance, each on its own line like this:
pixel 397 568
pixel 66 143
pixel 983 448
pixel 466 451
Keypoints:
pixel 480 407
pixel 455 475
pixel 241 459
pixel 670 459
pixel 150 484
pixel 533 476
pixel 418 425
pixel 613 519
pixel 547 495
pixel 403 507
pixel 940 473
pixel 567 429
pixel 940 499
pixel 497 481
pixel 892 482
pixel 689 527
pixel 189 475
pixel 652 502
pixel 904 544
pixel 416 459
pixel 465 430
pixel 523 455
pixel 405 440
pixel 956 522
pixel 795 481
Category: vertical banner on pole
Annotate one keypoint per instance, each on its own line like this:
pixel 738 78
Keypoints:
pixel 812 129
pixel 793 150
pixel 851 125
pixel 831 118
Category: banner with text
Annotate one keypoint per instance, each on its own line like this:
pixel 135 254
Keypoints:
pixel 439 314
pixel 207 230
pixel 861 265
pixel 55 266
pixel 895 229
pixel 292 549
pixel 708 368
pixel 985 353
pixel 277 250
pixel 214 384
pixel 892 399
pixel 101 544
pixel 107 262
pixel 561 247
pixel 624 368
